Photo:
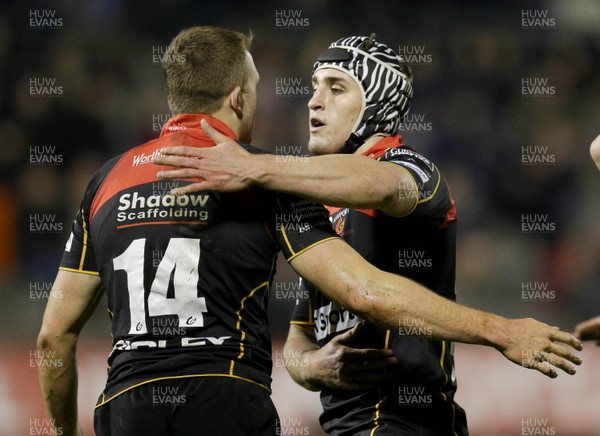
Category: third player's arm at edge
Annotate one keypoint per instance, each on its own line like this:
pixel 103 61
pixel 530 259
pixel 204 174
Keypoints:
pixel 387 299
pixel 595 151
pixel 354 181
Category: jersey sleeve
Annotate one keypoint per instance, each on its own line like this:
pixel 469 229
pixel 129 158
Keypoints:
pixel 300 225
pixel 79 253
pixel 303 313
pixel 434 202
pixel 79 250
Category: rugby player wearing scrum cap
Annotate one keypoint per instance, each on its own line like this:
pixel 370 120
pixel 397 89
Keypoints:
pixel 393 206
pixel 410 231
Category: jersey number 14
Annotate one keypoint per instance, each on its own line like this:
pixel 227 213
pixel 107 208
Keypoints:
pixel 181 256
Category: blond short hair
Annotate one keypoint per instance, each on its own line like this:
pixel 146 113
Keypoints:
pixel 202 66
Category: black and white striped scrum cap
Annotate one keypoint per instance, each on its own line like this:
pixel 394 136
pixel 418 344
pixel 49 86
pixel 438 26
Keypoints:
pixel 386 89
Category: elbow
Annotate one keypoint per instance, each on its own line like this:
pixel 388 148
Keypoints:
pixel 46 341
pixel 384 193
pixel 362 300
pixel 371 303
pixel 52 340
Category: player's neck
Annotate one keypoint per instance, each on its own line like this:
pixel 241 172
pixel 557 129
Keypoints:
pixel 229 119
pixel 369 143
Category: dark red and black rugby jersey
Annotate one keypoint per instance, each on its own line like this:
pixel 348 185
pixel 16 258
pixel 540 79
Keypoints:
pixel 187 277
pixel 421 246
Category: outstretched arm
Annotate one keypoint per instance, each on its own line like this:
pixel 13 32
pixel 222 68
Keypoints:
pixel 390 301
pixel 73 298
pixel 337 180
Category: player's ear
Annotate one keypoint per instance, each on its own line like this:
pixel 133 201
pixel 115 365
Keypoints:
pixel 236 101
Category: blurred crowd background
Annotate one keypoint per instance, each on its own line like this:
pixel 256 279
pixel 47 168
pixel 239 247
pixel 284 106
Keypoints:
pixel 510 155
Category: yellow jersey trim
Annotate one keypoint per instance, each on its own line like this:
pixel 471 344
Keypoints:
pixel 104 401
pixel 82 271
pixel 446 381
pixel 378 405
pixel 311 323
pixel 310 246
pixel 439 179
pixel 85 239
pixel 238 325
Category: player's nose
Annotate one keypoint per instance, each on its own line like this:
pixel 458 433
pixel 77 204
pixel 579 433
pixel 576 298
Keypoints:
pixel 316 101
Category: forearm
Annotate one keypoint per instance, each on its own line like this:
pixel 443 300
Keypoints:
pixel 392 301
pixel 57 371
pixel 297 352
pixel 336 180
pixel 410 309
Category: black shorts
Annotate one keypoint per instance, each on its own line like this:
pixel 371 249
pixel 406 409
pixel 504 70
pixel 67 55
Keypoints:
pixel 190 406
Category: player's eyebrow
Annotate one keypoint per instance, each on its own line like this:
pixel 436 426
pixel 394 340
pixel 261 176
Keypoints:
pixel 330 80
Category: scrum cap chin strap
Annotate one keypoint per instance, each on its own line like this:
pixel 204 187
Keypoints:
pixel 386 90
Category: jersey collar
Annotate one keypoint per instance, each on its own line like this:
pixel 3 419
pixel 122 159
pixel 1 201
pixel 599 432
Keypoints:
pixel 380 146
pixel 192 121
